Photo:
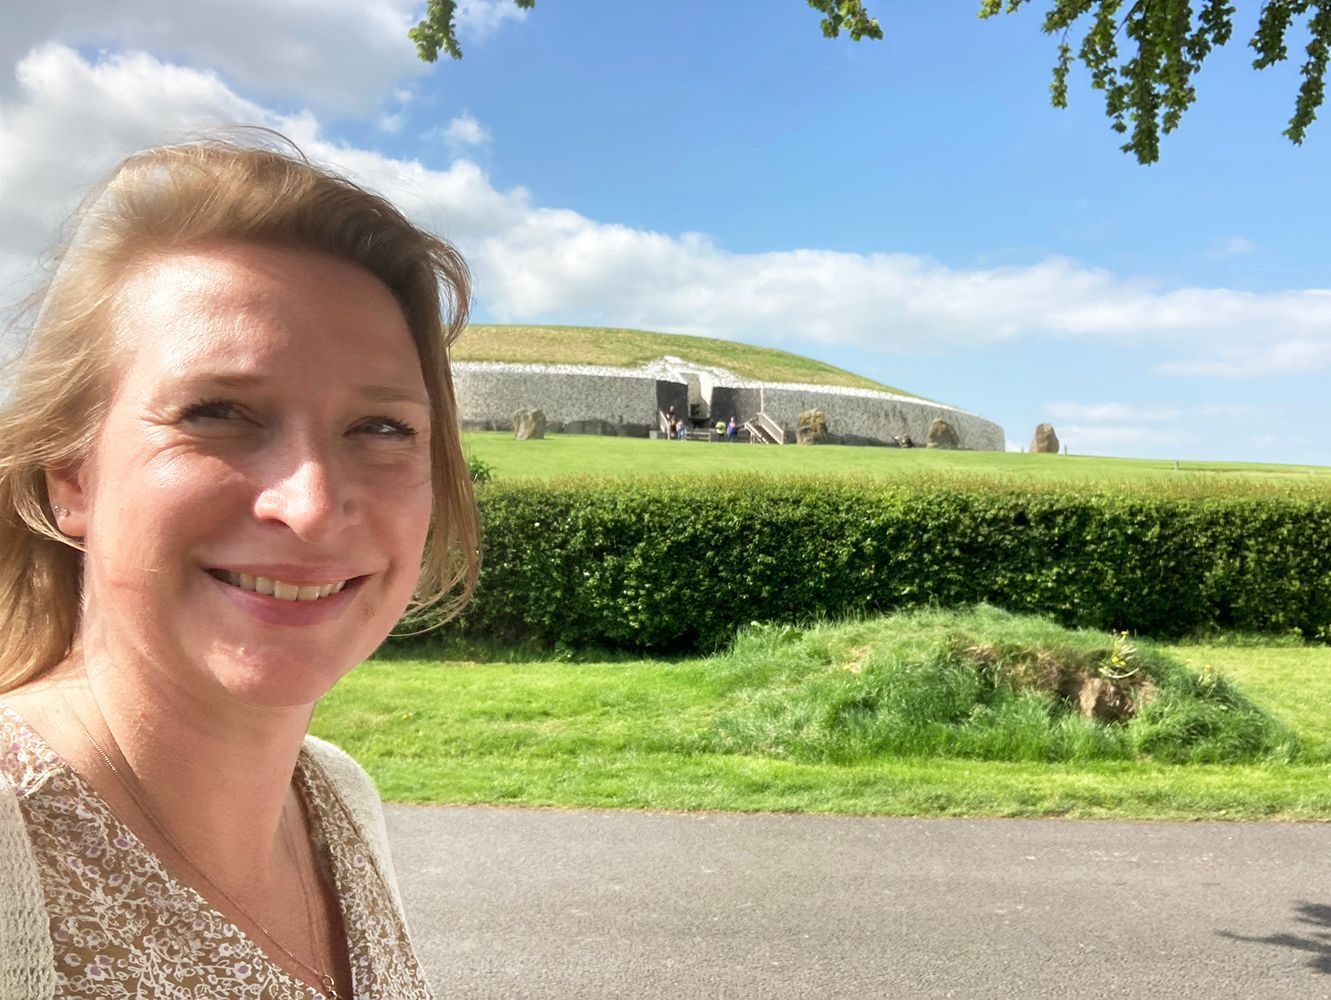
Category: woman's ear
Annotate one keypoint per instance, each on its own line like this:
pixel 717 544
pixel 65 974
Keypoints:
pixel 69 500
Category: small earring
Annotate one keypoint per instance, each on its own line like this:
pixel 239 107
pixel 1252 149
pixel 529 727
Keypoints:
pixel 60 511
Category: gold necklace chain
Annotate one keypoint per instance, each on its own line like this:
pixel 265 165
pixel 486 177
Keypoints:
pixel 326 982
pixel 316 946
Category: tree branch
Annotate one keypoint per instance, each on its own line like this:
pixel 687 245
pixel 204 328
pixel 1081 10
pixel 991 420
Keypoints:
pixel 1151 88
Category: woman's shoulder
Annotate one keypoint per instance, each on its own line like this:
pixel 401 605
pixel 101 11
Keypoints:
pixel 26 760
pixel 339 765
pixel 354 787
pixel 27 956
pixel 351 781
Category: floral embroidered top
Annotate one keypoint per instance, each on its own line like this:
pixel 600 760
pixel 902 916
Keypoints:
pixel 122 926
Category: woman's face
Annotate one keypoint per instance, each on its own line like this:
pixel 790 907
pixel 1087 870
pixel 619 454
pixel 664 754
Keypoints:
pixel 259 495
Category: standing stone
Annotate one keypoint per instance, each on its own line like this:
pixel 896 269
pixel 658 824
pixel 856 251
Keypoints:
pixel 528 425
pixel 1045 441
pixel 811 427
pixel 942 435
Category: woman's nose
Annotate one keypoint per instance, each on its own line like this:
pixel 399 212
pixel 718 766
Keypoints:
pixel 308 495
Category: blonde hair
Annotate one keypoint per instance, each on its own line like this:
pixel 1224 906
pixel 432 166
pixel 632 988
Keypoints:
pixel 261 191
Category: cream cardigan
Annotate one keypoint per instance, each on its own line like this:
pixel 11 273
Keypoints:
pixel 27 958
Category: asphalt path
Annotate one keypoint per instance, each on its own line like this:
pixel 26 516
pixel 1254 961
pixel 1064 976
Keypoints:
pixel 553 904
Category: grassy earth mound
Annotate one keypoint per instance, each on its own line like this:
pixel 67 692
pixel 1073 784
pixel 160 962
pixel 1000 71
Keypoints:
pixel 980 684
pixel 589 345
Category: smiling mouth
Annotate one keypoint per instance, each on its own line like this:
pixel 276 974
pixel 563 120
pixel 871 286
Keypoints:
pixel 280 589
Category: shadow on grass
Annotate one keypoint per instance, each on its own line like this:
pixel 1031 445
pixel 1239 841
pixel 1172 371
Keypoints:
pixel 455 648
pixel 1316 941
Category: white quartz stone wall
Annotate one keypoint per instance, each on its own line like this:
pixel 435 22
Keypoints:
pixel 879 415
pixel 489 392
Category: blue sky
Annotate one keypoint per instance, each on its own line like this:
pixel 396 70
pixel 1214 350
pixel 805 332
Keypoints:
pixel 911 209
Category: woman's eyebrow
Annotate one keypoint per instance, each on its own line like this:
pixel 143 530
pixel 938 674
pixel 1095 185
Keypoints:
pixel 392 394
pixel 220 380
pixel 248 380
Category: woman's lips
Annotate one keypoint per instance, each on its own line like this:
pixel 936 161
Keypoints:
pixel 312 601
pixel 281 589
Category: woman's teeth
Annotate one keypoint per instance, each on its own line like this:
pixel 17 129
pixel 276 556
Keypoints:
pixel 280 588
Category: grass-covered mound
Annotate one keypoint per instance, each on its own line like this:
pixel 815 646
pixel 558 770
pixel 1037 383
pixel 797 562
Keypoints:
pixel 618 348
pixel 982 684
pixel 467 722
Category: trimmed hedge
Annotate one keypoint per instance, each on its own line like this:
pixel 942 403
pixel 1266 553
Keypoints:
pixel 678 565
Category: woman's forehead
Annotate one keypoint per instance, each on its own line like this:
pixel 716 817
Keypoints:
pixel 245 309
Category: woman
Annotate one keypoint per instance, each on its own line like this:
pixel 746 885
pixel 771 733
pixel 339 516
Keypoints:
pixel 228 463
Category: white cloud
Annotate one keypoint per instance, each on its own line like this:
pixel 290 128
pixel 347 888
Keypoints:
pixel 125 102
pixel 462 131
pixel 535 263
pixel 1146 413
pixel 562 264
pixel 1109 439
pixel 1144 429
pixel 1212 411
pixel 479 18
pixel 73 120
pixel 1233 246
pixel 391 122
pixel 341 55
pixel 1111 412
pixel 1285 357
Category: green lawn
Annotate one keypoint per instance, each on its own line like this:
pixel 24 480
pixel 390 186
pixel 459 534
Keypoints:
pixel 608 734
pixel 562 455
pixel 588 345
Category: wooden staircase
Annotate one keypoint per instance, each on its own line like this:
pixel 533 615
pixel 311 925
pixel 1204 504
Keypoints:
pixel 764 430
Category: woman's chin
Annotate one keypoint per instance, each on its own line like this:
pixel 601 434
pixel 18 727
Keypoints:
pixel 285 682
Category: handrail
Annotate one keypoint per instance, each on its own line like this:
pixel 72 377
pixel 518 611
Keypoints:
pixel 759 433
pixel 771 428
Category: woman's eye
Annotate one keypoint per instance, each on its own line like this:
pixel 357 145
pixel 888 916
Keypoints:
pixel 385 427
pixel 212 409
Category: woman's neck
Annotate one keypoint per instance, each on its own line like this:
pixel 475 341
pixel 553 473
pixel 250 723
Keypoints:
pixel 213 776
